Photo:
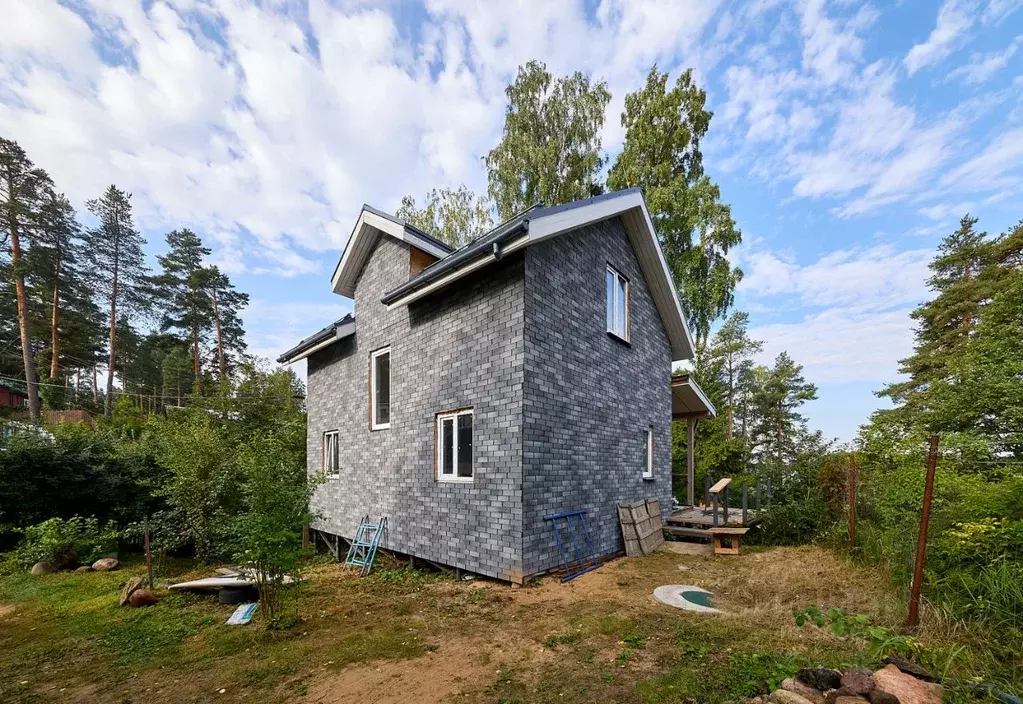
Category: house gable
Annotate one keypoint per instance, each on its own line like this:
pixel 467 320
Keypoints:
pixel 369 228
pixel 539 224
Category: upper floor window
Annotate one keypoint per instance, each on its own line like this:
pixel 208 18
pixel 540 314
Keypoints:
pixel 617 304
pixel 331 454
pixel 380 389
pixel 454 446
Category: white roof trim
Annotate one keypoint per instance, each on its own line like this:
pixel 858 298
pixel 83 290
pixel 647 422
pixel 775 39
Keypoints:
pixel 691 385
pixel 636 220
pixel 367 228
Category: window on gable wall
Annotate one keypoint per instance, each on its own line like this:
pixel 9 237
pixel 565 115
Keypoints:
pixel 454 446
pixel 380 389
pixel 331 454
pixel 648 454
pixel 617 304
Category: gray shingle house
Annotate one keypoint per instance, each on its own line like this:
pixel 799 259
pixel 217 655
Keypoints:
pixel 476 392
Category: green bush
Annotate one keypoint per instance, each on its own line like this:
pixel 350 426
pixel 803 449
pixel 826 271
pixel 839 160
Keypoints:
pixel 65 543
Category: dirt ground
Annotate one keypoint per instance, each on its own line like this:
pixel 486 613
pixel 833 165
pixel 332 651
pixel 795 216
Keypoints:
pixel 406 636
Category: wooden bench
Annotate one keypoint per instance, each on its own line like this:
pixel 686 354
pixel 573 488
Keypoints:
pixel 719 535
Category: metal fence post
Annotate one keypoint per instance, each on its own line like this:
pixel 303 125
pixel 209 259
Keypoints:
pixel 745 502
pixel 852 502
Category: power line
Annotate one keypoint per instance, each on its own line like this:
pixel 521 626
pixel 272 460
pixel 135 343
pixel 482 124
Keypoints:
pixel 122 392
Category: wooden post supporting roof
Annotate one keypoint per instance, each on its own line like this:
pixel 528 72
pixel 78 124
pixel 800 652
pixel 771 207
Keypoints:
pixel 689 402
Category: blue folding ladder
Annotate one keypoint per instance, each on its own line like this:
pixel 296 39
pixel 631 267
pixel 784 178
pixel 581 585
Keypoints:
pixel 364 545
pixel 581 559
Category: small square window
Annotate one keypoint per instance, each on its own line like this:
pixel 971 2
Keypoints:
pixel 617 304
pixel 648 454
pixel 380 389
pixel 454 446
pixel 331 455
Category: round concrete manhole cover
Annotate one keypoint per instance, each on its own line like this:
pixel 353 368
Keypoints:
pixel 686 596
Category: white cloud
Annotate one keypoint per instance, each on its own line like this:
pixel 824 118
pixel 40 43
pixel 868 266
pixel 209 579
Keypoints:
pixel 880 277
pixel 855 323
pixel 983 66
pixel 998 166
pixel 842 346
pixel 954 18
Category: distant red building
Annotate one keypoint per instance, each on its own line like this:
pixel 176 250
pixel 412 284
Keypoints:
pixel 12 396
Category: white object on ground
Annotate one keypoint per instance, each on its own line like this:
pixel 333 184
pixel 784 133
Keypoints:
pixel 215 584
pixel 672 595
pixel 242 615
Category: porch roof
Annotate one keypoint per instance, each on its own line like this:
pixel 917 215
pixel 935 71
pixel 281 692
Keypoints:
pixel 688 399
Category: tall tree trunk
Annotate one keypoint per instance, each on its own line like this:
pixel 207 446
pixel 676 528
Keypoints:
pixel 19 287
pixel 107 405
pixel 55 320
pixel 195 359
pixel 95 387
pixel 220 339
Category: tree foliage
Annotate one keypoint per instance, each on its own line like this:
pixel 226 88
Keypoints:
pixel 550 149
pixel 661 154
pixel 454 215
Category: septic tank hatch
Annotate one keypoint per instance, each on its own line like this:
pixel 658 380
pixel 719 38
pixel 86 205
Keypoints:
pixel 686 596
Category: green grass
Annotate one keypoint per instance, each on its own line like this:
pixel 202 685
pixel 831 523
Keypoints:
pixel 396 641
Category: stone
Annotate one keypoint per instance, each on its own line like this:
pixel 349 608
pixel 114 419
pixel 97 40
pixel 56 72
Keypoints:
pixel 876 696
pixel 857 680
pixel 907 688
pixel 833 695
pixel 821 678
pixel 133 585
pixel 783 696
pixel 43 568
pixel 804 690
pixel 105 564
pixel 850 699
pixel 84 568
pixel 143 597
pixel 910 668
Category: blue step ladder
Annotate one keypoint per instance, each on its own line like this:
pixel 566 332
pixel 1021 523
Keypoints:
pixel 364 546
pixel 581 558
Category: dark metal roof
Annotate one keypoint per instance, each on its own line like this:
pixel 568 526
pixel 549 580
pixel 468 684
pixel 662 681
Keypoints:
pixel 315 339
pixel 483 245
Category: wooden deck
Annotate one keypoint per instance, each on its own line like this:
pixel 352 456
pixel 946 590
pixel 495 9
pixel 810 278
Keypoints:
pixel 704 518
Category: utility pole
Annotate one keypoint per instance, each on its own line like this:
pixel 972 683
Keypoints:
pixel 921 543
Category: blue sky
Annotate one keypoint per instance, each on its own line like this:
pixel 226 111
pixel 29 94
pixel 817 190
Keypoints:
pixel 848 137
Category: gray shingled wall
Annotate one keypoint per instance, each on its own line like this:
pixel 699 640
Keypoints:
pixel 560 408
pixel 589 398
pixel 460 349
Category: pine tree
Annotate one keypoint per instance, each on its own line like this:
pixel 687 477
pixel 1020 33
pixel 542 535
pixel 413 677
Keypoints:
pixel 119 273
pixel 227 304
pixel 945 323
pixel 661 154
pixel 184 286
pixel 779 426
pixel 732 348
pixel 550 150
pixel 21 188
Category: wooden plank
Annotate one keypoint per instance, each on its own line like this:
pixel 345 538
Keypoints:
pixel 698 533
pixel 720 486
pixel 722 530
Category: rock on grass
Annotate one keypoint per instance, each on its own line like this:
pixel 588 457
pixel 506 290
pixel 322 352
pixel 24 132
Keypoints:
pixel 783 696
pixel 857 680
pixel 907 688
pixel 820 678
pixel 795 686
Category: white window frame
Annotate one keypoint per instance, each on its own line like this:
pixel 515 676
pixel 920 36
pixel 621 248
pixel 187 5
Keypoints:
pixel 439 469
pixel 648 470
pixel 373 389
pixel 619 279
pixel 331 461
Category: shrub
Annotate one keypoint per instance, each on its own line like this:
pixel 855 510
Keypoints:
pixel 65 543
pixel 268 532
